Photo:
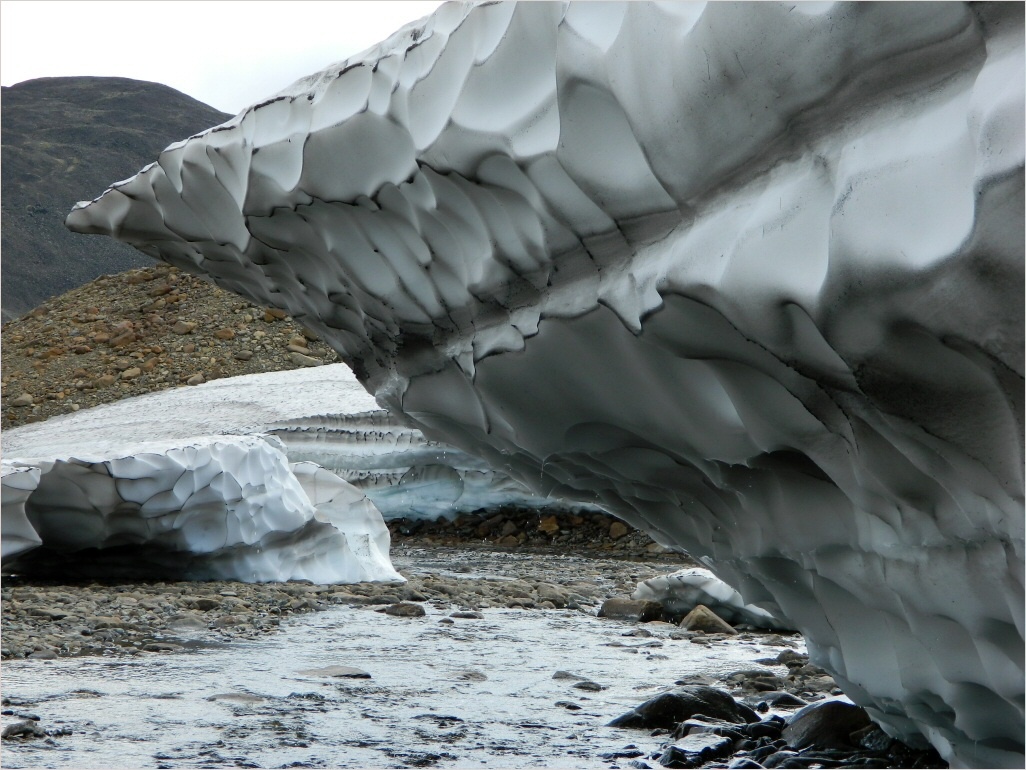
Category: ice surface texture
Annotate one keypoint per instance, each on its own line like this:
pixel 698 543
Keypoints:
pixel 749 275
pixel 403 473
pixel 228 508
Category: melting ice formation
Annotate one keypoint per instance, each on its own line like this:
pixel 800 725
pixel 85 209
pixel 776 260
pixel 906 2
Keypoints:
pixel 749 275
pixel 680 592
pixel 87 489
pixel 401 472
pixel 228 508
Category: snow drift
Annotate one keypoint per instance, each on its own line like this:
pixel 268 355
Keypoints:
pixel 749 275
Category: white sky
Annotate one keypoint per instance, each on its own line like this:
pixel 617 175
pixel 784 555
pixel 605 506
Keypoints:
pixel 228 54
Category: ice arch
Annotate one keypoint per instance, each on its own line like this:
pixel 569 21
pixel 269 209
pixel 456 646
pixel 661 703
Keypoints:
pixel 749 275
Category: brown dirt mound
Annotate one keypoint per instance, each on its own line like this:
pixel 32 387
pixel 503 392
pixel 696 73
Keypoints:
pixel 136 332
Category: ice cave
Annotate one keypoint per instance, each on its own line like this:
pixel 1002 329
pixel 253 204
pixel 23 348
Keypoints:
pixel 545 233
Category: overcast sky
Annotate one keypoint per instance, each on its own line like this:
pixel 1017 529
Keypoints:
pixel 226 54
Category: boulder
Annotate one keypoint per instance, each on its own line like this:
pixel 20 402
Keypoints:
pixel 668 709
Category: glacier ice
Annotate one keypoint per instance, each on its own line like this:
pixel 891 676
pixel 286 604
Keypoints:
pixel 545 233
pixel 680 591
pixel 214 507
pixel 401 472
pixel 17 534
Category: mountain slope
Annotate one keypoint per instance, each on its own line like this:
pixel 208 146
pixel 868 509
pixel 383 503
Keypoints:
pixel 65 140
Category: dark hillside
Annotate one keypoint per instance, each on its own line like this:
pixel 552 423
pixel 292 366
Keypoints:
pixel 66 140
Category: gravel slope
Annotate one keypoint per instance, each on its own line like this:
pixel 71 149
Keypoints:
pixel 137 332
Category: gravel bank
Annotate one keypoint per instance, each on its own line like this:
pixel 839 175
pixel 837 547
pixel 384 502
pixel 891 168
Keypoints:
pixel 50 619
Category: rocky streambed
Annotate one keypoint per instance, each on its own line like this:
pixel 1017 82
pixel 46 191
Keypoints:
pixel 483 658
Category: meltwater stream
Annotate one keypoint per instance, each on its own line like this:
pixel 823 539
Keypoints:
pixel 473 693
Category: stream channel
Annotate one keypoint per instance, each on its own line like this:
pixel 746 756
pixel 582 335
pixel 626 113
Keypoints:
pixel 456 694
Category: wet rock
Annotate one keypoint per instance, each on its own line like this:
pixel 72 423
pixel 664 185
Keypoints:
pixel 872 738
pixel 568 675
pixel 776 699
pixel 640 632
pixel 700 724
pixel 162 647
pixel 701 618
pixel 627 752
pixel 782 758
pixel 568 705
pixel 589 686
pixel 668 709
pixel 630 609
pixel 826 725
pixel 551 593
pixel 756 679
pixel 336 672
pixel 770 728
pixel 405 610
pixel 240 698
pixel 694 750
pixel 466 615
pixel 24 729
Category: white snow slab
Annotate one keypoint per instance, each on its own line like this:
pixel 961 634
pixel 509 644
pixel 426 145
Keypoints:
pixel 749 275
pixel 230 406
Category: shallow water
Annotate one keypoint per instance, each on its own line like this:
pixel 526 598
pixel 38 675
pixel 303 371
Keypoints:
pixel 476 693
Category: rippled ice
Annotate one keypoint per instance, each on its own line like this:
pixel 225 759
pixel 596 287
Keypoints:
pixel 476 693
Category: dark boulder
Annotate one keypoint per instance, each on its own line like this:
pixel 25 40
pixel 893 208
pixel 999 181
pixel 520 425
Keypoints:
pixel 826 725
pixel 669 709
